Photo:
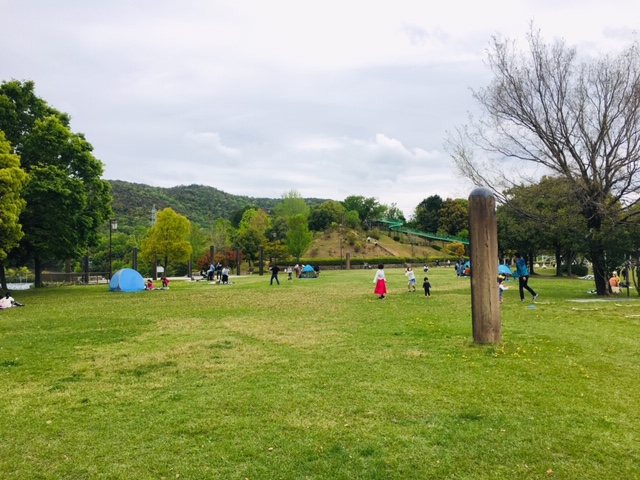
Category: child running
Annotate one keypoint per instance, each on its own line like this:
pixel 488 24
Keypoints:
pixel 427 287
pixel 412 279
pixel 380 281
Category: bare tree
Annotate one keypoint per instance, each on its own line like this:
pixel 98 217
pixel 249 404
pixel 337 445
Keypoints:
pixel 578 119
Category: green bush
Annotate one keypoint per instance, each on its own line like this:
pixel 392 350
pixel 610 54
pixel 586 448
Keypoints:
pixel 577 270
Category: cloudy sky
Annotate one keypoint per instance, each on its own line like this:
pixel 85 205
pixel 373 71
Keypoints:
pixel 257 98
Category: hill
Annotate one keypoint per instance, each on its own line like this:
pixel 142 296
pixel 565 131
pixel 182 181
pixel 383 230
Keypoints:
pixel 133 202
pixel 327 245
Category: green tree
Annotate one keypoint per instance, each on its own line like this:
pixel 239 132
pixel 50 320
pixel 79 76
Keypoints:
pixel 322 216
pixel 237 215
pixel 394 213
pixel 278 227
pixel 368 208
pixel 12 181
pixel 221 234
pixel 249 240
pixel 299 238
pixel 453 216
pixel 427 214
pixel 168 239
pixel 255 218
pixel 198 241
pixel 352 219
pixel 67 201
pixel 292 204
pixel 543 216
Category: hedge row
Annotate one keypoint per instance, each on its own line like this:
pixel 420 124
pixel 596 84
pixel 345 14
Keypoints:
pixel 373 261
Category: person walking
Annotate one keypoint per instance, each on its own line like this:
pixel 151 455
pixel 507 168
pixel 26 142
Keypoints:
pixel 522 272
pixel 274 274
pixel 380 282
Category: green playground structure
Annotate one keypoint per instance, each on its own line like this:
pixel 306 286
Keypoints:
pixel 397 226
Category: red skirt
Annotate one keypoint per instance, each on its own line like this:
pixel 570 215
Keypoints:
pixel 381 287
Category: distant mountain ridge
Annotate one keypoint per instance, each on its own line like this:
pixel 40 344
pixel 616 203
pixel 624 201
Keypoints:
pixel 133 202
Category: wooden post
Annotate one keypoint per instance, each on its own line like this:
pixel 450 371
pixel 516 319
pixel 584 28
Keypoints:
pixel 348 257
pixel 483 244
pixel 211 252
pixel 238 254
pixel 86 268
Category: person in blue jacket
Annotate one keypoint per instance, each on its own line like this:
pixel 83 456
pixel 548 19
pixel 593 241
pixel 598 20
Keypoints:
pixel 522 272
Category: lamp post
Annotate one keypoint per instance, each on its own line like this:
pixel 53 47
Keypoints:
pixel 113 225
pixel 274 248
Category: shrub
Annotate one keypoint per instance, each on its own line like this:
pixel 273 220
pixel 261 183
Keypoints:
pixel 578 270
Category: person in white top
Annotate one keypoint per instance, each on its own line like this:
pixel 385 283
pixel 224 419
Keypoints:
pixel 412 279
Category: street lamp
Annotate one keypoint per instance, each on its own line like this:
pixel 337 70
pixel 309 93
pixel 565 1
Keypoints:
pixel 274 247
pixel 113 225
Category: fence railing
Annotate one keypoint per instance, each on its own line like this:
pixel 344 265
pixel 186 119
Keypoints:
pixel 75 278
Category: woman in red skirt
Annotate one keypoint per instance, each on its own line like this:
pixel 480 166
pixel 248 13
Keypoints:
pixel 380 282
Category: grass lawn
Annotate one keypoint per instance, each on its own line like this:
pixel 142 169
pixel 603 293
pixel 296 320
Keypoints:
pixel 317 379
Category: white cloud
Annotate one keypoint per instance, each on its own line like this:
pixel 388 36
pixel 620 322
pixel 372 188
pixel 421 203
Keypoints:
pixel 257 98
pixel 210 141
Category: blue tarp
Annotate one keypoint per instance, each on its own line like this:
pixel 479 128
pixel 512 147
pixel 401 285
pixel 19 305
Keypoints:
pixel 126 280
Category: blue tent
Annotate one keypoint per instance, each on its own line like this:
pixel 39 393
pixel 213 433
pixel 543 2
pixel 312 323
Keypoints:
pixel 464 267
pixel 308 272
pixel 126 280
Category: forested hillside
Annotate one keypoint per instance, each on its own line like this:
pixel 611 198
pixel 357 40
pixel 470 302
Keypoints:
pixel 133 202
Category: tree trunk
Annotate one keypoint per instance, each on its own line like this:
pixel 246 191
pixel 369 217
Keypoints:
pixel 530 258
pixel 599 270
pixel 597 250
pixel 3 277
pixel 38 271
pixel 568 258
pixel 558 261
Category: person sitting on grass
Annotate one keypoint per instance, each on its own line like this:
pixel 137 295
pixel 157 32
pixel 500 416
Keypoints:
pixel 8 302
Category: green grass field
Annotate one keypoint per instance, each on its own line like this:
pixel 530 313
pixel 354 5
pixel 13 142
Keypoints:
pixel 317 379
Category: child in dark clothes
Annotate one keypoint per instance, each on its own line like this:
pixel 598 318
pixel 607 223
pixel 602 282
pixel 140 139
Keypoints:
pixel 427 287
